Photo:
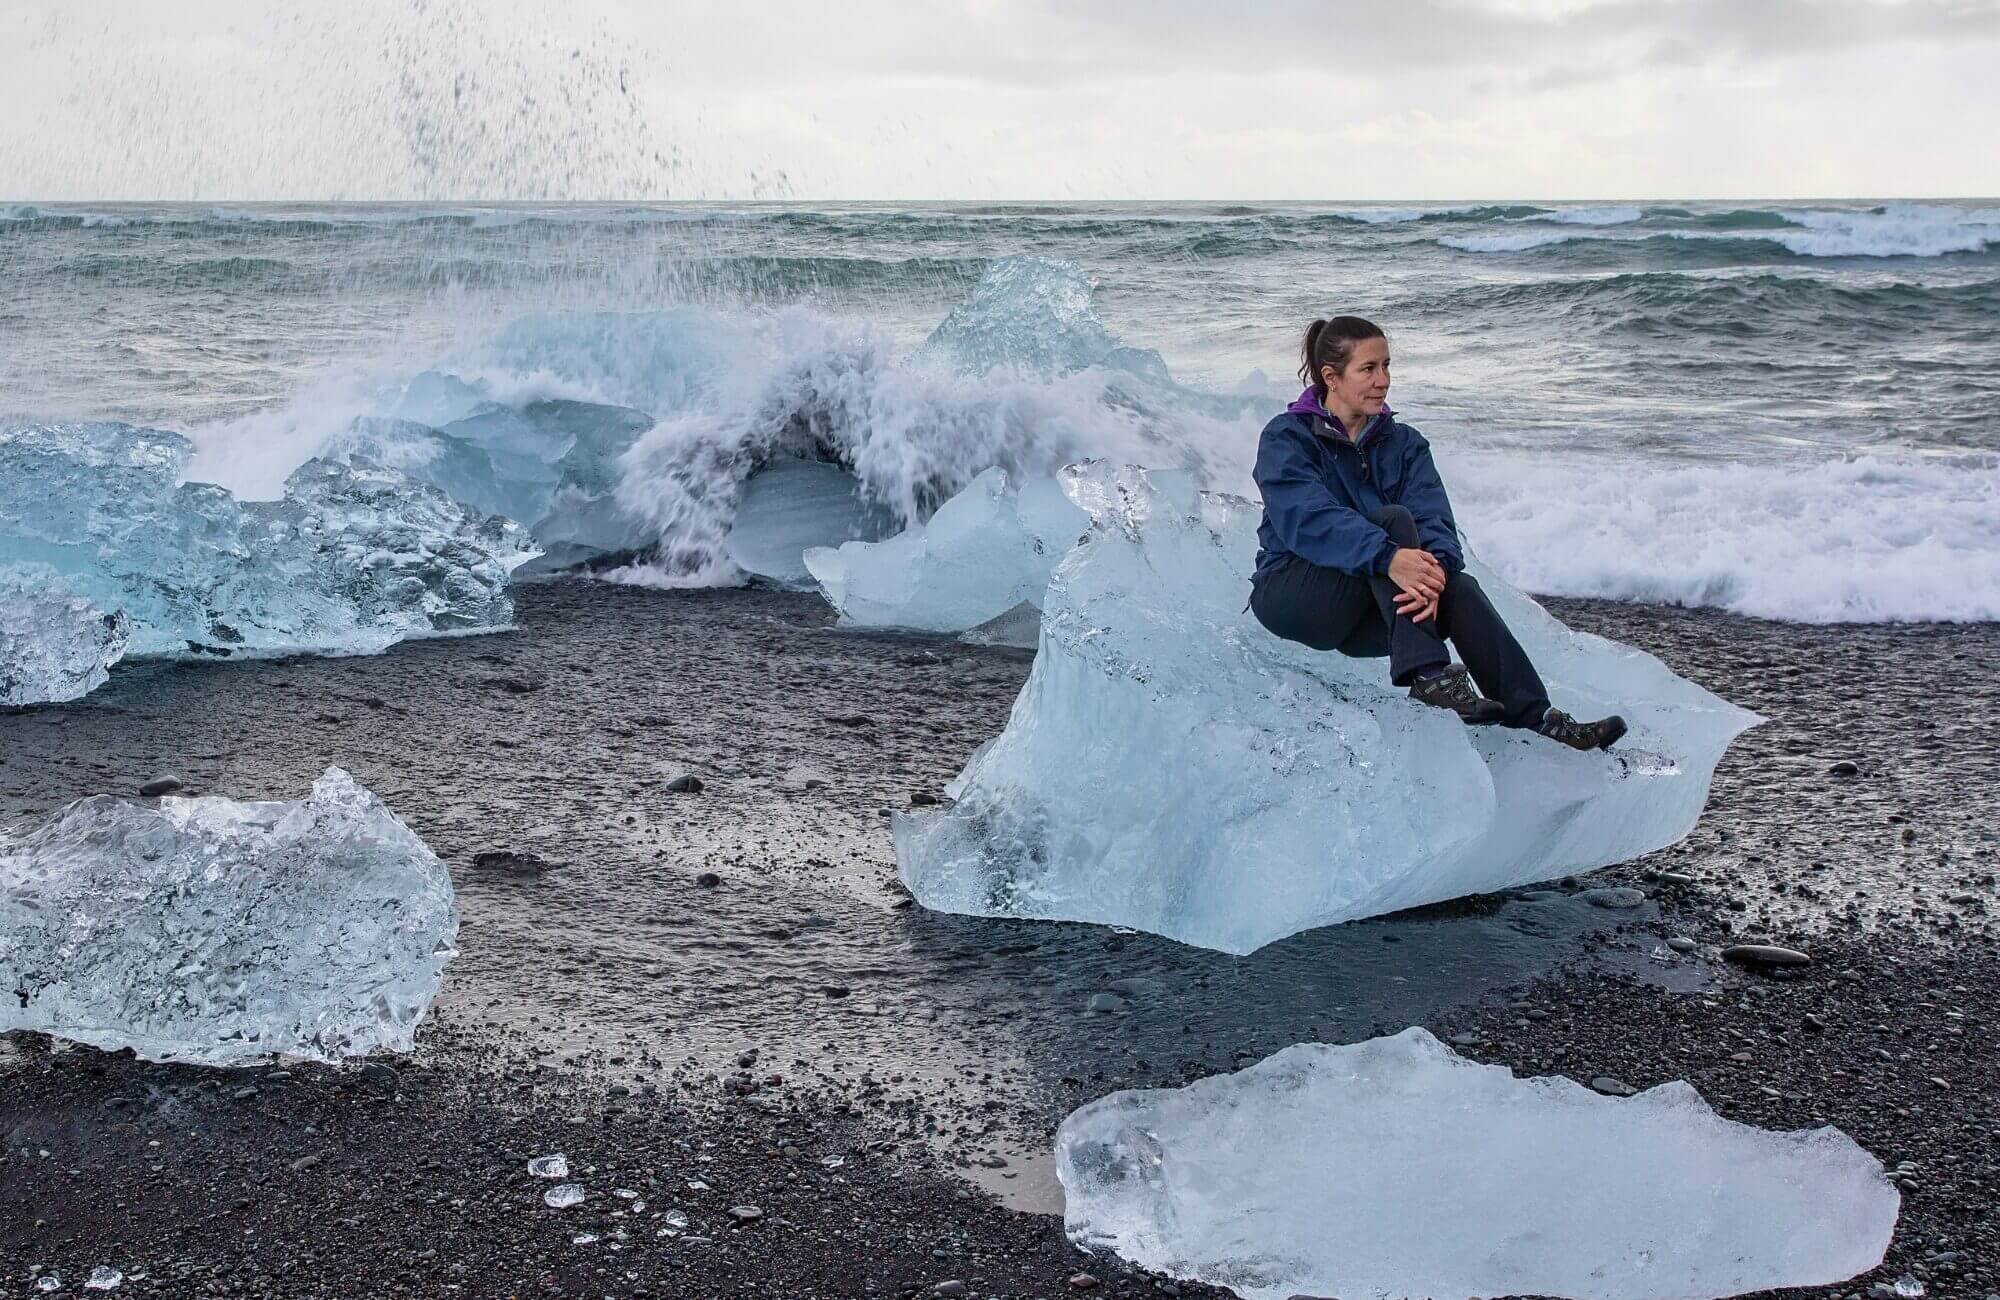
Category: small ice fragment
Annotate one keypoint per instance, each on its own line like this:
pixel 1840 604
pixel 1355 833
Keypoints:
pixel 1907 1287
pixel 638 1207
pixel 1396 1167
pixel 53 646
pixel 562 1197
pixel 833 1162
pixel 675 1219
pixel 48 1282
pixel 696 1185
pixel 104 1278
pixel 552 1166
pixel 625 1194
pixel 583 1239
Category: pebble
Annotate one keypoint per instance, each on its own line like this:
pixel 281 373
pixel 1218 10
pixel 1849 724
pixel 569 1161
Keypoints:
pixel 745 1213
pixel 953 1287
pixel 1614 896
pixel 158 786
pixel 507 860
pixel 304 1163
pixel 1466 1039
pixel 1611 1087
pixel 1106 1003
pixel 1845 767
pixel 708 880
pixel 1082 1282
pixel 1681 943
pixel 923 799
pixel 1764 954
pixel 685 785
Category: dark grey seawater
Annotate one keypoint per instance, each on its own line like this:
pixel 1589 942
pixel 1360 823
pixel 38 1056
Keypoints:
pixel 1782 409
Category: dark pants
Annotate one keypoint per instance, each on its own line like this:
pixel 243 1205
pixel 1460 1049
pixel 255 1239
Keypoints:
pixel 1356 615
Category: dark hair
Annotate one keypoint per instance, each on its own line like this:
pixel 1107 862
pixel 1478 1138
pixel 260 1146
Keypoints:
pixel 1331 343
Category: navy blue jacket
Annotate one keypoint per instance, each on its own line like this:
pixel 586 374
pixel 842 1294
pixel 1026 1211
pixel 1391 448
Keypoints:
pixel 1319 489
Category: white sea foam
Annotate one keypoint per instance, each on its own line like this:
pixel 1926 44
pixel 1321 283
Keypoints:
pixel 1871 539
pixel 1897 230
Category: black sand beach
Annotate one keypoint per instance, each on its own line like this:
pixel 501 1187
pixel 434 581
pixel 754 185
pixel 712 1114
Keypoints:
pixel 727 987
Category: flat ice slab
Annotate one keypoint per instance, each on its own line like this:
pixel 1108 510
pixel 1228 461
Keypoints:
pixel 985 553
pixel 217 932
pixel 1396 1168
pixel 53 646
pixel 1173 767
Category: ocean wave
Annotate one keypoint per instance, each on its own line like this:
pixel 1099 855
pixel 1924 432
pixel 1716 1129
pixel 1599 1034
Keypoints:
pixel 1512 242
pixel 1616 216
pixel 1897 230
pixel 1021 375
pixel 1871 539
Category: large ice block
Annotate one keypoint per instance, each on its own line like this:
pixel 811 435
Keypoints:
pixel 985 553
pixel 355 556
pixel 53 646
pixel 1396 1168
pixel 1172 766
pixel 793 506
pixel 218 932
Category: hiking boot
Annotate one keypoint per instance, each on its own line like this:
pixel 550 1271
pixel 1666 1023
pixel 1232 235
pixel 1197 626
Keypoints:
pixel 1563 729
pixel 1453 689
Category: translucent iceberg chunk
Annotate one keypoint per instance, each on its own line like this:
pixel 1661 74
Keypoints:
pixel 354 558
pixel 793 506
pixel 1172 766
pixel 1034 313
pixel 1397 1168
pixel 986 552
pixel 218 932
pixel 53 646
pixel 552 464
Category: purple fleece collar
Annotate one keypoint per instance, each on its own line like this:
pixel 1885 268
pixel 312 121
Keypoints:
pixel 1309 404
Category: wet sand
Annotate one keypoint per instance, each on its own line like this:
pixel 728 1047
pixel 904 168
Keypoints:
pixel 610 1007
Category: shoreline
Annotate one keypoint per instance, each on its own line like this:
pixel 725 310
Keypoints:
pixel 955 1040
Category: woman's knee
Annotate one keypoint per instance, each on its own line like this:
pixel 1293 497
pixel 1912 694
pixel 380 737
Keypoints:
pixel 1398 522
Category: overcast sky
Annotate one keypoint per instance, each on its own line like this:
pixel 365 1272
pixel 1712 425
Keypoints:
pixel 1397 99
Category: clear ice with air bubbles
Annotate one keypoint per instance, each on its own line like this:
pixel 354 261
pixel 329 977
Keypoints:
pixel 53 646
pixel 217 932
pixel 1395 1167
pixel 1173 767
pixel 352 559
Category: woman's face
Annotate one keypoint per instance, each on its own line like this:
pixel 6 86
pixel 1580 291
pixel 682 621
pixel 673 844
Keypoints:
pixel 1364 385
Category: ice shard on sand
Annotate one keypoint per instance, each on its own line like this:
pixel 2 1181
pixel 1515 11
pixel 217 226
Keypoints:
pixel 219 932
pixel 1395 1167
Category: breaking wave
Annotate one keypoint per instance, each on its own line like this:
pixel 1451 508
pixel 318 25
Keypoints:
pixel 1024 374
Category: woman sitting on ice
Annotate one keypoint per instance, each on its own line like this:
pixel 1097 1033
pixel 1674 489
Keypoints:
pixel 1358 553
